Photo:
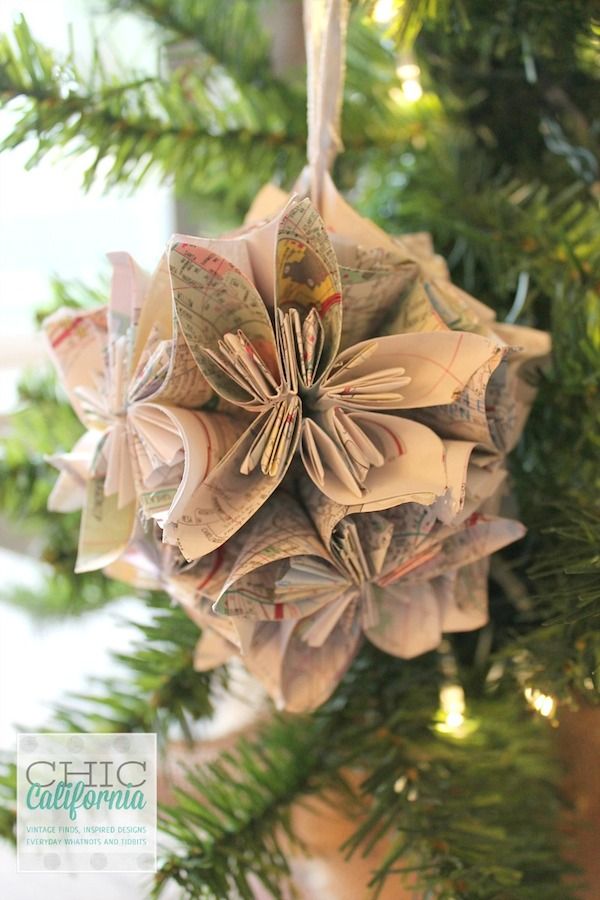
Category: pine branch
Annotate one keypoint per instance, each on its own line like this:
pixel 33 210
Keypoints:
pixel 232 38
pixel 433 799
pixel 8 793
pixel 209 132
pixel 159 687
pixel 157 690
pixel 45 424
pixel 453 827
pixel 182 126
pixel 234 816
pixel 491 226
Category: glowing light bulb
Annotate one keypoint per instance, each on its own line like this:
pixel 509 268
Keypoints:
pixel 454 719
pixel 383 11
pixel 400 784
pixel 544 704
pixel 452 712
pixel 412 90
pixel 408 71
pixel 452 701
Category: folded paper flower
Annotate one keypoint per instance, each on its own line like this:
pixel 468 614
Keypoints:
pixel 411 291
pixel 305 587
pixel 337 410
pixel 130 378
pixel 345 479
pixel 317 424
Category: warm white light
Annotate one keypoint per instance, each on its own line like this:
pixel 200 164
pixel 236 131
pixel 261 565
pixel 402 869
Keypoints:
pixel 400 784
pixel 412 90
pixel 544 704
pixel 452 699
pixel 383 11
pixel 408 71
pixel 454 719
pixel 452 709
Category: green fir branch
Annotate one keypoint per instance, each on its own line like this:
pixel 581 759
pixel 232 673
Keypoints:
pixel 233 819
pixel 233 37
pixel 201 128
pixel 180 126
pixel 157 687
pixel 467 817
pixel 156 690
pixel 8 794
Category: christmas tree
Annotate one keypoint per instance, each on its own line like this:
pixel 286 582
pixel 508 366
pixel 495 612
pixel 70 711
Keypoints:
pixel 479 124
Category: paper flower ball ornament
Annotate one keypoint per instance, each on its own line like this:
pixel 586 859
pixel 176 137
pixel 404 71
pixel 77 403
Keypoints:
pixel 336 411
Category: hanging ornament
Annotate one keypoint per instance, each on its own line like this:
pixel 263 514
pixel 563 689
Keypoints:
pixel 298 430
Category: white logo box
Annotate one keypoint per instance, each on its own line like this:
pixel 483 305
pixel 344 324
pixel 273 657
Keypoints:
pixel 86 802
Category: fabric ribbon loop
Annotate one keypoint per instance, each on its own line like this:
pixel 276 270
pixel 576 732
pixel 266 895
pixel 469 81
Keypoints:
pixel 325 26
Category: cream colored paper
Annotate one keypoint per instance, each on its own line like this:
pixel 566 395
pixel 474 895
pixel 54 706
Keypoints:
pixel 337 410
pixel 304 587
pixel 115 364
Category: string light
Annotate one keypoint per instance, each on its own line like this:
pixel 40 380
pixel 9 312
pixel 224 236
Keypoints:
pixel 544 704
pixel 451 716
pixel 452 703
pixel 408 73
pixel 412 90
pixel 383 11
pixel 400 784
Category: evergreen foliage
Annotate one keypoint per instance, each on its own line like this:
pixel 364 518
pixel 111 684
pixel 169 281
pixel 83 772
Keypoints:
pixel 8 792
pixel 156 687
pixel 464 817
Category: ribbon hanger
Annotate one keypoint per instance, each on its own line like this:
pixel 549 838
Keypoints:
pixel 325 27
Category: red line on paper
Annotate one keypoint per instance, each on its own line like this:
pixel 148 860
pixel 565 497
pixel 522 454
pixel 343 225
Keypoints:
pixel 67 331
pixel 329 302
pixel 218 560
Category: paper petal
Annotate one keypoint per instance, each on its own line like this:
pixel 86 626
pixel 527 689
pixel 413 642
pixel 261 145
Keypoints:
pixel 128 287
pixel 105 529
pixel 77 343
pixel 204 439
pixel 308 275
pixel 212 298
pixel 413 523
pixel 225 500
pixel 456 460
pixel 297 676
pixel 212 650
pixel 413 470
pixel 75 467
pixel 370 293
pixel 478 537
pixel 513 385
pixel 439 365
pixel 464 597
pixel 280 530
pixel 324 512
pixel 485 480
pixel 409 620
